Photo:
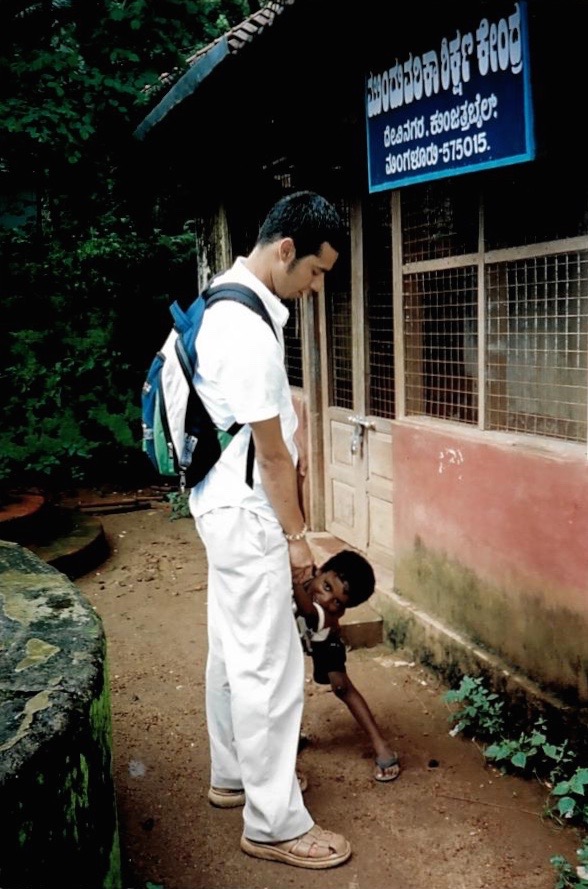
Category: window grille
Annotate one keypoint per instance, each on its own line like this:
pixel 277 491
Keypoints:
pixel 440 219
pixel 379 306
pixel 293 344
pixel 534 301
pixel 537 324
pixel 441 344
pixel 340 350
pixel 338 309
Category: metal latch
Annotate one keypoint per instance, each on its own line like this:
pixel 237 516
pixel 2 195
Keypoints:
pixel 360 424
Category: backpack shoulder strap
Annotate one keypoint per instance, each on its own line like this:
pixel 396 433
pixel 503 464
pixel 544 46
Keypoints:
pixel 185 318
pixel 247 297
pixel 241 294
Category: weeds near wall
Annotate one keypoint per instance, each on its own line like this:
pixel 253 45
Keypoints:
pixel 481 710
pixel 531 754
pixel 568 876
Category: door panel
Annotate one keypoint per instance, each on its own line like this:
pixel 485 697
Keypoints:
pixel 345 496
pixel 357 351
pixel 340 446
pixel 379 492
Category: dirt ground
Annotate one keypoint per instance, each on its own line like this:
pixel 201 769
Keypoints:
pixel 448 822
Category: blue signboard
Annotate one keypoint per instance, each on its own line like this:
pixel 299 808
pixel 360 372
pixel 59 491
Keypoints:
pixel 459 105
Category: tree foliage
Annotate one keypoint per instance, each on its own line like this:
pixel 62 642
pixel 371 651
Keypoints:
pixel 88 239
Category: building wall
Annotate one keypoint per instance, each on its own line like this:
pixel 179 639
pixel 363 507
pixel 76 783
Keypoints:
pixel 490 528
pixel 490 537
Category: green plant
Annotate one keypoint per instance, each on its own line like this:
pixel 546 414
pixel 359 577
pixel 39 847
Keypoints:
pixel 568 876
pixel 481 713
pixel 532 753
pixel 529 751
pixel 179 505
pixel 572 802
pixel 87 232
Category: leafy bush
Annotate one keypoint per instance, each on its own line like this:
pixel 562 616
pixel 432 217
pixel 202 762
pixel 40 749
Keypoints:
pixel 93 245
pixel 75 353
pixel 481 710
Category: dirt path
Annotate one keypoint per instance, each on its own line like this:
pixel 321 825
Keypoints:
pixel 448 822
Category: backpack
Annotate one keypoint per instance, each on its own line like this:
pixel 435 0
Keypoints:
pixel 179 436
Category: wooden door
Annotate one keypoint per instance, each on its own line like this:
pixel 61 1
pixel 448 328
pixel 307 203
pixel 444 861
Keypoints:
pixel 358 384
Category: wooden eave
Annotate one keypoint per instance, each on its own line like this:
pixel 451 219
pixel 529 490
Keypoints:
pixel 209 58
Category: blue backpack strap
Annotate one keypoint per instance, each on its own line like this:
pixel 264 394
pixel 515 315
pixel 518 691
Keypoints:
pixel 185 318
pixel 247 297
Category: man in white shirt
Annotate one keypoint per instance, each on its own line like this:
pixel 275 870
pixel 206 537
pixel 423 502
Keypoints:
pixel 253 529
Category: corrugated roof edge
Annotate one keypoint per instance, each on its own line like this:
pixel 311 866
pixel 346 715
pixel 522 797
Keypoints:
pixel 203 62
pixel 248 29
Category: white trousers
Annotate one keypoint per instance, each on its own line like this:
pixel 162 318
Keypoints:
pixel 254 671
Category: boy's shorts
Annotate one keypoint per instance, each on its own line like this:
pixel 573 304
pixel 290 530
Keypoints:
pixel 328 657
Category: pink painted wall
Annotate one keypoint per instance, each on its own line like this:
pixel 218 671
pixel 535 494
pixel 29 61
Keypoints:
pixel 515 515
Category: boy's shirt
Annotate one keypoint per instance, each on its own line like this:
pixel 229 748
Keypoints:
pixel 324 645
pixel 307 634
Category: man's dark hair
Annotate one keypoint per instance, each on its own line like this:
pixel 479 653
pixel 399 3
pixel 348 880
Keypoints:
pixel 355 572
pixel 307 218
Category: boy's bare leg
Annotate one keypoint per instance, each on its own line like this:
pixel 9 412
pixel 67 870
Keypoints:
pixel 387 764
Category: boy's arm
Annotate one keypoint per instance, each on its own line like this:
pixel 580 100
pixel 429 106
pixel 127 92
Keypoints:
pixel 305 605
pixel 315 616
pixel 344 688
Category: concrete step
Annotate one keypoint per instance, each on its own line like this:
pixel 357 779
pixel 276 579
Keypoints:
pixel 65 538
pixel 74 544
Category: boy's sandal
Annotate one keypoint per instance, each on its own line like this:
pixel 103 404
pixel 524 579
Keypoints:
pixel 317 849
pixel 387 769
pixel 226 798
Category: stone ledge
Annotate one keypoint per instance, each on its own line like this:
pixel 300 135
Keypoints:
pixel 58 801
pixel 362 627
pixel 452 655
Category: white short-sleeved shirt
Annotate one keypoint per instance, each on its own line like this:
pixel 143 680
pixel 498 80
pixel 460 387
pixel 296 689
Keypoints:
pixel 241 377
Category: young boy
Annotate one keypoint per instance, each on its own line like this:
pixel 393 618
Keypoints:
pixel 344 581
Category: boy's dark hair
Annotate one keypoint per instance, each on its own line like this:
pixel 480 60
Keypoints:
pixel 306 217
pixel 356 573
